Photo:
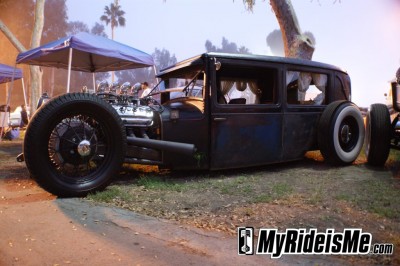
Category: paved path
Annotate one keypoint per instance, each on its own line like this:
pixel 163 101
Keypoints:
pixel 38 229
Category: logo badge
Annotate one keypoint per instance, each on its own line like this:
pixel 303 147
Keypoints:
pixel 245 240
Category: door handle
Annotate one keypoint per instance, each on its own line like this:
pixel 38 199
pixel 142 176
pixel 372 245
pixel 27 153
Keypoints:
pixel 219 119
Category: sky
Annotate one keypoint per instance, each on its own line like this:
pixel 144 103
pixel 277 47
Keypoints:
pixel 360 36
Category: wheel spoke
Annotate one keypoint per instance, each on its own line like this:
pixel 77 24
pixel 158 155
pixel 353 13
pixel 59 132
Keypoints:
pixel 73 162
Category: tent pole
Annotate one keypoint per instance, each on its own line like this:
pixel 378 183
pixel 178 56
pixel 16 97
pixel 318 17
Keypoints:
pixel 94 83
pixel 23 90
pixel 69 69
pixel 155 73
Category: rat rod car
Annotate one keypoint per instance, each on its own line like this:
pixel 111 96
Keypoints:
pixel 228 111
pixel 382 132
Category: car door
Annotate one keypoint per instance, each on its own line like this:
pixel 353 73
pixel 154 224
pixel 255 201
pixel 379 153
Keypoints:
pixel 306 96
pixel 246 117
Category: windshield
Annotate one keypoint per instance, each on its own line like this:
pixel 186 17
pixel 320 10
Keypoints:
pixel 188 84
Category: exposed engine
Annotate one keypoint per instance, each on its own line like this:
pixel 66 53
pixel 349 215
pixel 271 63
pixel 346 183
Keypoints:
pixel 139 115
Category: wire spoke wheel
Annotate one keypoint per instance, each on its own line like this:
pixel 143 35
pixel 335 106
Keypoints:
pixel 77 148
pixel 75 144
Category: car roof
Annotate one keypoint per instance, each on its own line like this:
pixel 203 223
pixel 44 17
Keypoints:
pixel 199 59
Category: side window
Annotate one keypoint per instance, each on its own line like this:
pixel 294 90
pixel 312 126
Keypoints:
pixel 240 91
pixel 246 86
pixel 306 88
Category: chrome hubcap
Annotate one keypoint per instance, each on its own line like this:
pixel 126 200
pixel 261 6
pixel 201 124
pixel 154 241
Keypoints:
pixel 84 148
pixel 345 134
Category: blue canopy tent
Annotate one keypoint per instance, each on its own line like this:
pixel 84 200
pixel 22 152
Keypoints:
pixel 87 53
pixel 8 74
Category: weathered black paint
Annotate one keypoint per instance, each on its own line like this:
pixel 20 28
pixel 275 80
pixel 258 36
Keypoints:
pixel 232 136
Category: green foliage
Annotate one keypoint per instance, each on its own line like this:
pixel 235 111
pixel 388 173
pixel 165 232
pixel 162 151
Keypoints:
pixel 226 47
pixel 354 186
pixel 249 4
pixel 110 194
pixel 113 15
pixel 375 196
pixel 156 183
pixel 278 190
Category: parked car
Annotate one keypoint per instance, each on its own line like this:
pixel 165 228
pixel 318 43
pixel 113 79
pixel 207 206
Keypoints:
pixel 248 110
pixel 382 128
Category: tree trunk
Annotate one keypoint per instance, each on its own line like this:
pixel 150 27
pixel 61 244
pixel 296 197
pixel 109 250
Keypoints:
pixel 10 36
pixel 36 72
pixel 296 44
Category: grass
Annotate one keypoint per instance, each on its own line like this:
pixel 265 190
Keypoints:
pixel 110 194
pixel 376 196
pixel 313 182
pixel 157 183
pixel 277 191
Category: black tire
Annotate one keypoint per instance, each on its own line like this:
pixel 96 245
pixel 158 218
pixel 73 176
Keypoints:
pixel 75 144
pixel 341 133
pixel 377 135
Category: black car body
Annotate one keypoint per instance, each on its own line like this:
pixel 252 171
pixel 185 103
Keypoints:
pixel 273 125
pixel 231 111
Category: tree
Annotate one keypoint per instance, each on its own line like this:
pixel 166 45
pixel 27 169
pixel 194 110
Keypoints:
pixel 114 16
pixel 296 43
pixel 56 23
pixel 99 30
pixel 75 27
pixel 226 47
pixel 275 42
pixel 162 59
pixel 136 75
pixel 55 27
pixel 19 17
pixel 35 71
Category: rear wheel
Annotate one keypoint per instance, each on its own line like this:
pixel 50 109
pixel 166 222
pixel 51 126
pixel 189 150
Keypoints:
pixel 341 133
pixel 75 144
pixel 377 135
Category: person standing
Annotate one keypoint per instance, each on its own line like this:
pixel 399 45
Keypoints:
pixel 146 89
pixel 24 116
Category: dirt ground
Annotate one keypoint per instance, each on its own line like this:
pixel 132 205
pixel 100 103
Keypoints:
pixel 304 194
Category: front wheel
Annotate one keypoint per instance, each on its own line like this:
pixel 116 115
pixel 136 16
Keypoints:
pixel 75 144
pixel 341 133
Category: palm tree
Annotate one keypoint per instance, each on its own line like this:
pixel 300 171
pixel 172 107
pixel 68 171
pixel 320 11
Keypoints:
pixel 114 16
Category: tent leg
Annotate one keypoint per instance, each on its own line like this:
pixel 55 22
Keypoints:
pixel 94 83
pixel 69 69
pixel 23 90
